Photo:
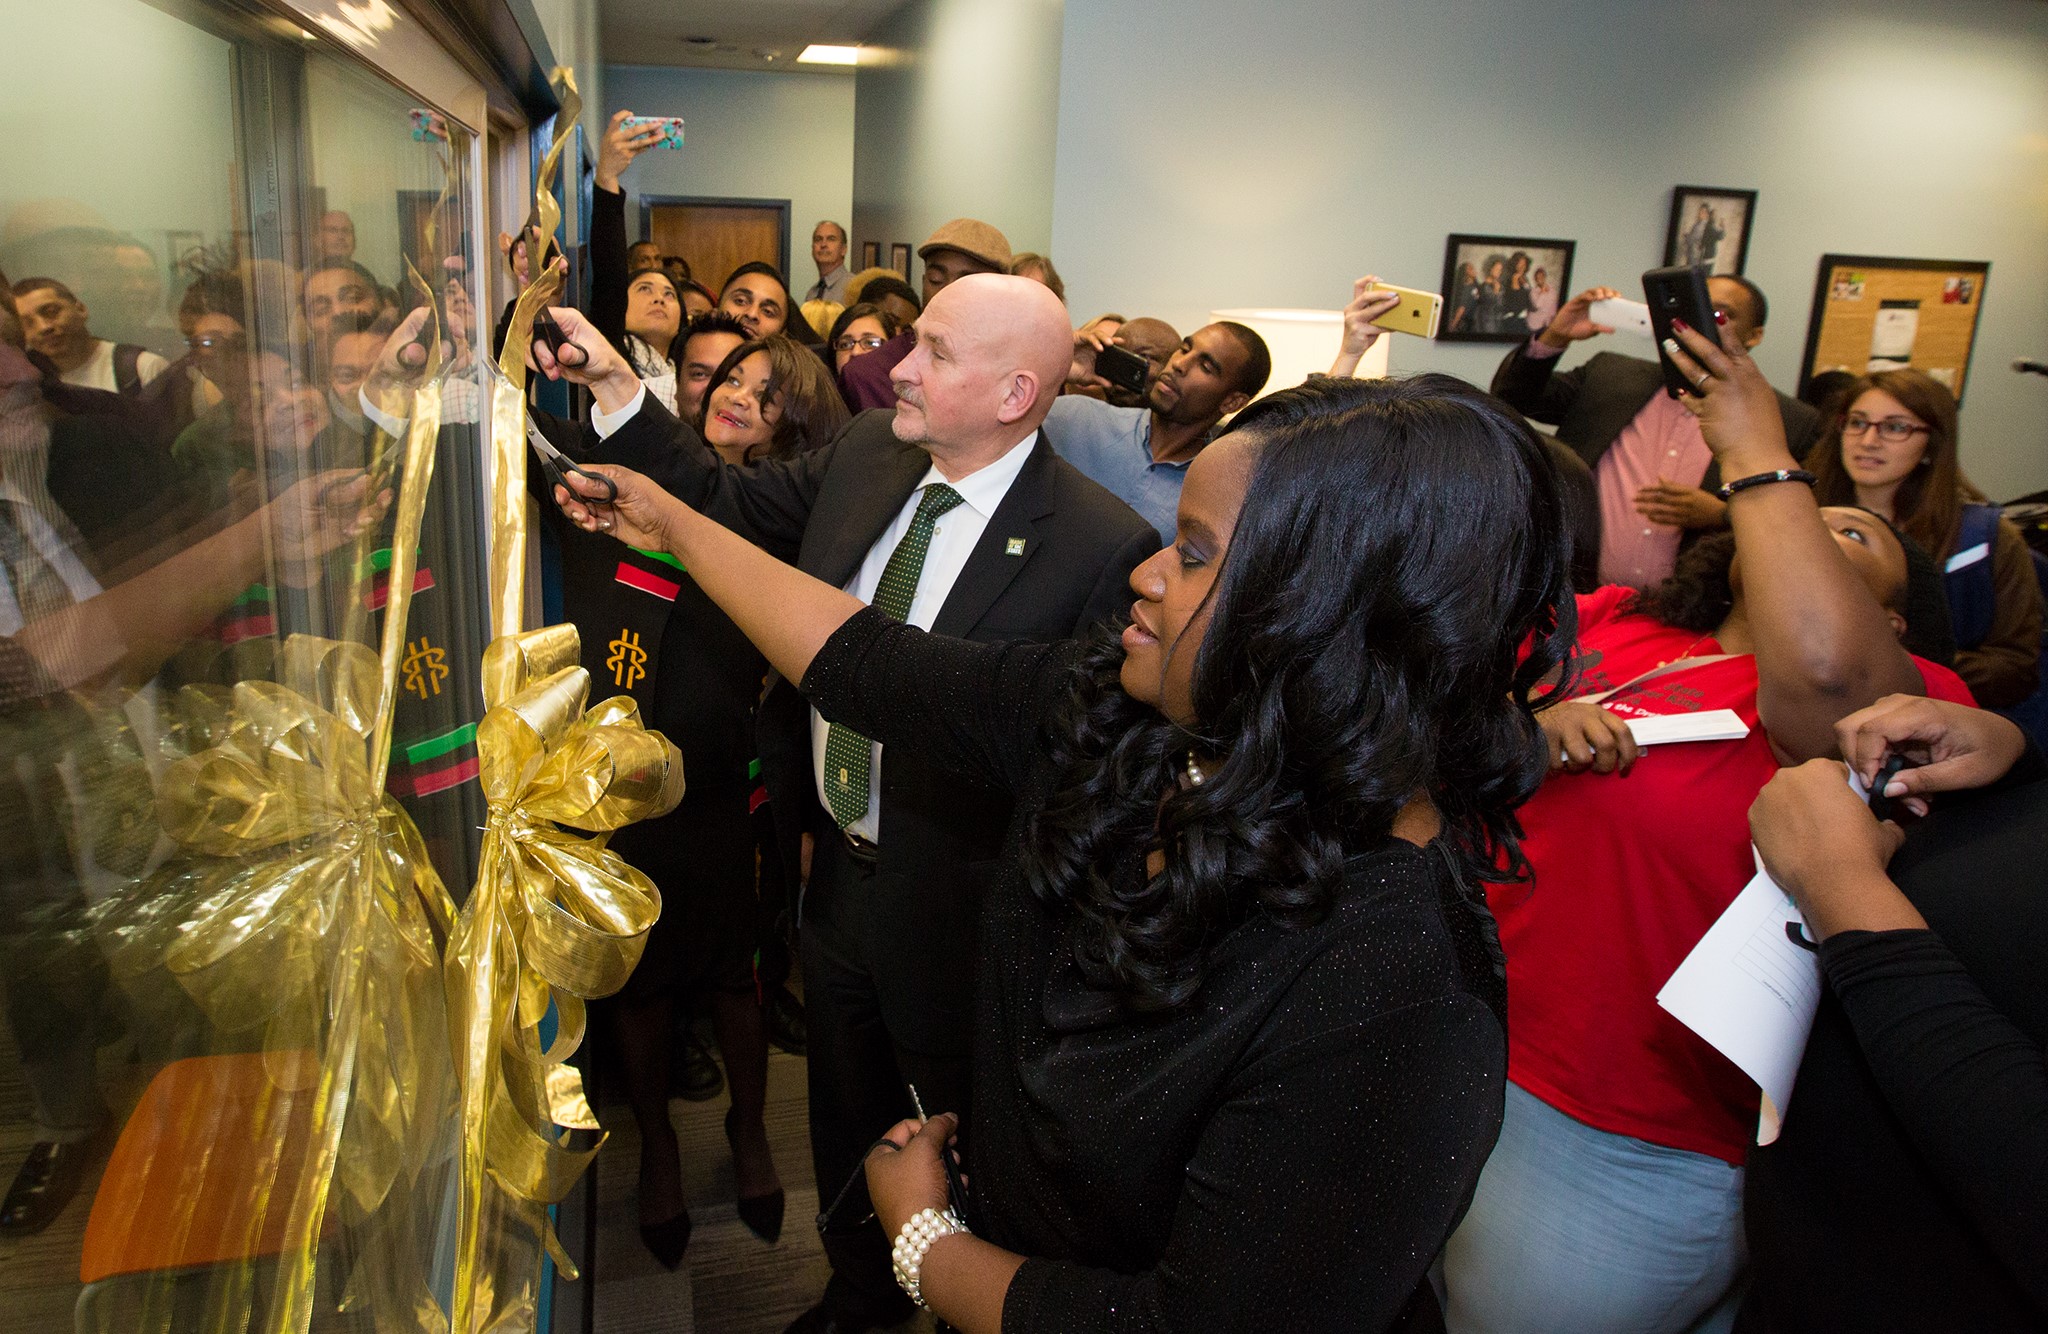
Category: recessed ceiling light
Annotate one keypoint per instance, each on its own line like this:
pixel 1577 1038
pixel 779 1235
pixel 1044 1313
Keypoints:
pixel 817 54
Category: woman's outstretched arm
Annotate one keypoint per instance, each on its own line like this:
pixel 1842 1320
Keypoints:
pixel 788 614
pixel 972 708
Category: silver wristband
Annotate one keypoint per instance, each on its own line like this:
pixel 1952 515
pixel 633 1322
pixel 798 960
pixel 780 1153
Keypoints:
pixel 907 1257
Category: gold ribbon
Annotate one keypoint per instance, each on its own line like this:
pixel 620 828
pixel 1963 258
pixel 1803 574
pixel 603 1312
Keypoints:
pixel 304 913
pixel 555 919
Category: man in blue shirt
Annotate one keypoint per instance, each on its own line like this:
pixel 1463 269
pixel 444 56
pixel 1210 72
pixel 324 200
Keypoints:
pixel 1142 454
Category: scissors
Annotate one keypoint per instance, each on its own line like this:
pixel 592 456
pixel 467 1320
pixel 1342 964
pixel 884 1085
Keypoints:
pixel 557 464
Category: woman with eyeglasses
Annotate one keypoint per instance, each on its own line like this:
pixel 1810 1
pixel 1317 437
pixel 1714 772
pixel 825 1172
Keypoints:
pixel 860 329
pixel 1898 457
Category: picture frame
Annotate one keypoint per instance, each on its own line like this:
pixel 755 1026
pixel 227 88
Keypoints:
pixel 1710 226
pixel 1474 312
pixel 899 258
pixel 1878 312
pixel 871 254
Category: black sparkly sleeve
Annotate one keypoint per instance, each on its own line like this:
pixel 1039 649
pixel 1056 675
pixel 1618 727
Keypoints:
pixel 972 708
pixel 1318 1194
pixel 1970 1089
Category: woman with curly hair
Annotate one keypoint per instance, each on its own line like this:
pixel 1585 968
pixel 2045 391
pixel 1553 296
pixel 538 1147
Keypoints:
pixel 1240 1045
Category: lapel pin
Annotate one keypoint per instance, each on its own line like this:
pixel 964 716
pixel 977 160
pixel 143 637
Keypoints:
pixel 1014 547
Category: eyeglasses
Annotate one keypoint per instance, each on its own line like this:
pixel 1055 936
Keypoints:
pixel 1893 429
pixel 849 343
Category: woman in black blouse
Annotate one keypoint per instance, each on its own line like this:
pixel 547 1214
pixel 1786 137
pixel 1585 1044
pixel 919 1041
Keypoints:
pixel 1241 1051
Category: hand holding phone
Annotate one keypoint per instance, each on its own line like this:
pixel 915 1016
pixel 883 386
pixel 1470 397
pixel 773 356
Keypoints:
pixel 671 128
pixel 1678 293
pixel 1123 368
pixel 1417 312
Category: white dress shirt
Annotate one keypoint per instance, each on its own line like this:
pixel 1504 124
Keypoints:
pixel 953 538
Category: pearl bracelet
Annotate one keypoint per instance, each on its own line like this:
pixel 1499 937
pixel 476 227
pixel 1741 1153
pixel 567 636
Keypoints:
pixel 907 1258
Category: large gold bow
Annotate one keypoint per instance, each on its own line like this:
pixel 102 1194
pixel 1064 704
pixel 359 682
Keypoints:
pixel 554 918
pixel 304 917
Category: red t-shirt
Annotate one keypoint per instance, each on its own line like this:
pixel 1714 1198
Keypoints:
pixel 1629 872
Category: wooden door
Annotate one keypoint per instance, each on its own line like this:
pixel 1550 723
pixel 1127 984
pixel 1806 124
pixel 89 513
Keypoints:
pixel 718 238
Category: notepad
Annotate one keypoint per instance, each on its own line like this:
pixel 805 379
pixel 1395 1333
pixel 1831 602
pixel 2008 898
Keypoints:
pixel 1707 725
pixel 1751 986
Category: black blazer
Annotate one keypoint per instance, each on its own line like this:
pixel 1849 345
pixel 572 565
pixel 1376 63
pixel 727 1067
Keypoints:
pixel 1591 403
pixel 823 511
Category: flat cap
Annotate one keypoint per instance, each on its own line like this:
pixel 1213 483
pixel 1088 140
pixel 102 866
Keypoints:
pixel 973 238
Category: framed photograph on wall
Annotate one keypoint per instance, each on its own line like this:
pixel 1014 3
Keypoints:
pixel 871 254
pixel 1502 289
pixel 1873 313
pixel 1710 227
pixel 899 258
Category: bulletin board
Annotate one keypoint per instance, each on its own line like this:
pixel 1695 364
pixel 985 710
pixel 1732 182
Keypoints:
pixel 1872 313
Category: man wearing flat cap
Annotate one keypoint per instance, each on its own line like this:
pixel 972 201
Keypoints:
pixel 961 247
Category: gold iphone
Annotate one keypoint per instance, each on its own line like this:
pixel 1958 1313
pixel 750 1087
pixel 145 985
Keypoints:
pixel 1417 314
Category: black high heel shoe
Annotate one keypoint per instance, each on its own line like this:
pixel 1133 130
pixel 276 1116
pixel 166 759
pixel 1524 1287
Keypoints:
pixel 666 1241
pixel 761 1213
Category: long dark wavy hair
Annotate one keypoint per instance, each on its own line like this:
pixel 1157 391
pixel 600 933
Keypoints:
pixel 1400 544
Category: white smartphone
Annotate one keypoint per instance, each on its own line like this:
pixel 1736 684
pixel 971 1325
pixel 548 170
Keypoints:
pixel 1622 315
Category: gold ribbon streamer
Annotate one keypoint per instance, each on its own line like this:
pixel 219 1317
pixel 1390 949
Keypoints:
pixel 304 909
pixel 555 919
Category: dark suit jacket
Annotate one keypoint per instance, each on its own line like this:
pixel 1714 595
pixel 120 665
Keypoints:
pixel 823 511
pixel 1592 402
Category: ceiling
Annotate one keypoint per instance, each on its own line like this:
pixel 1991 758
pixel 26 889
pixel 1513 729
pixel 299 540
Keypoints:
pixel 655 32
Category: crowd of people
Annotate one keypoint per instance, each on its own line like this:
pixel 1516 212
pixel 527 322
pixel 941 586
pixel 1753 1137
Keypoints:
pixel 1217 800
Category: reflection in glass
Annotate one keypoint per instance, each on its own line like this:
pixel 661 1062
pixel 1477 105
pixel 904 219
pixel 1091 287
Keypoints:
pixel 230 257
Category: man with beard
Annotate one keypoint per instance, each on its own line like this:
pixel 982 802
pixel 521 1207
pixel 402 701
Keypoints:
pixel 1142 454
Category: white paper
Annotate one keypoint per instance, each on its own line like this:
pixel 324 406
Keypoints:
pixel 1750 988
pixel 1622 315
pixel 1706 725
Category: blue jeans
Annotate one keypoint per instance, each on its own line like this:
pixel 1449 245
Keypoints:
pixel 1575 1230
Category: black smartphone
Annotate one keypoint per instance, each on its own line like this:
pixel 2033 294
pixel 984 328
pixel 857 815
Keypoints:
pixel 1881 805
pixel 1124 368
pixel 1678 293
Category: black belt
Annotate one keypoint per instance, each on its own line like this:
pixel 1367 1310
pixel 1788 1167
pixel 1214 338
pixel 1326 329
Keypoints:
pixel 860 850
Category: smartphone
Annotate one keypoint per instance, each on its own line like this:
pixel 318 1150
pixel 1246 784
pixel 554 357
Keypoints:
pixel 1417 314
pixel 671 128
pixel 1123 368
pixel 1622 315
pixel 1678 293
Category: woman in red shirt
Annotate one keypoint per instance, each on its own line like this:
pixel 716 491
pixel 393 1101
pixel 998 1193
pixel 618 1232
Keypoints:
pixel 1613 1198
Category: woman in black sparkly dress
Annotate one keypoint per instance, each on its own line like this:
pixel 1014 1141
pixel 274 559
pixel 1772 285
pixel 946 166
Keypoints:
pixel 1241 1008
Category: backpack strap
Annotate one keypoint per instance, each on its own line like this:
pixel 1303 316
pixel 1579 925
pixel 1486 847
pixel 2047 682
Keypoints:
pixel 127 369
pixel 1972 597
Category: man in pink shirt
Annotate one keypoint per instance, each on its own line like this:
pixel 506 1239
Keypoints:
pixel 1655 474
